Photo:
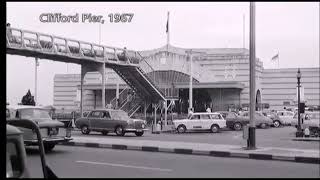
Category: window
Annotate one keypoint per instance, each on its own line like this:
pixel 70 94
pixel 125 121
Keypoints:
pixel 205 116
pixel 95 114
pixel 13 160
pixel 195 117
pixel 39 114
pixel 215 116
pixel 230 115
pixel 7 113
pixel 224 115
pixel 106 115
pixel 286 103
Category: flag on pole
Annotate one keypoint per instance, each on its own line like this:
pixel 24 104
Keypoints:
pixel 276 57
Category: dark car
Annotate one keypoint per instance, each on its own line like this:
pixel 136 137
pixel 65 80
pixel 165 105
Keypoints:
pixel 110 120
pixel 234 121
pixel 277 122
pixel 52 131
pixel 261 121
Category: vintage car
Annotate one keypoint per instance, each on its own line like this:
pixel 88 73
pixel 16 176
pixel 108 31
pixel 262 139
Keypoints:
pixel 110 120
pixel 286 117
pixel 16 158
pixel 261 121
pixel 308 119
pixel 234 121
pixel 200 121
pixel 52 131
pixel 277 122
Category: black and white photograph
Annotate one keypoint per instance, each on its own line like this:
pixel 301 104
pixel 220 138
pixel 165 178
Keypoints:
pixel 162 89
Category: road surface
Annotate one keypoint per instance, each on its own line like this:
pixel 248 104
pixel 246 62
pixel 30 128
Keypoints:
pixel 82 162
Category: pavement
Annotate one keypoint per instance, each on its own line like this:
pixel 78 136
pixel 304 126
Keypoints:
pixel 206 149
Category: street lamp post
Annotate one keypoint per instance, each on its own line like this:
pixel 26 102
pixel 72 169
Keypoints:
pixel 251 141
pixel 299 132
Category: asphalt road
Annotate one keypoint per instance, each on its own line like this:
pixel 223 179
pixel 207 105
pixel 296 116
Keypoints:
pixel 272 137
pixel 82 162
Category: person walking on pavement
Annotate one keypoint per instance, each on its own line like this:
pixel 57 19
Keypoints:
pixel 208 109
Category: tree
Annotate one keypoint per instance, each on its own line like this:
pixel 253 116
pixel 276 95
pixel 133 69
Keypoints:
pixel 28 99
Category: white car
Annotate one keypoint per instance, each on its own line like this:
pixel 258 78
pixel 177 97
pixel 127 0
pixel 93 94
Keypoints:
pixel 286 117
pixel 201 121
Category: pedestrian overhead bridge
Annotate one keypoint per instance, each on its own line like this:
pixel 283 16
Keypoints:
pixel 128 64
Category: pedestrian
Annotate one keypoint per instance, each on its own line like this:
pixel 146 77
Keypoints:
pixel 9 32
pixel 208 109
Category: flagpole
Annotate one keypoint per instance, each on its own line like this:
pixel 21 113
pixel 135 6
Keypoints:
pixel 168 32
pixel 243 32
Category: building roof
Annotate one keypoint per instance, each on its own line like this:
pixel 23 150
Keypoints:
pixel 208 51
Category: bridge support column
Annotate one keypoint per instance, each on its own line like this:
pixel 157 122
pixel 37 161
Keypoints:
pixel 145 110
pixel 83 73
pixel 102 70
pixel 84 69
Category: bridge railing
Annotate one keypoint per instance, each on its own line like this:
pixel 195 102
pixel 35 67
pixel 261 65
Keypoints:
pixel 25 39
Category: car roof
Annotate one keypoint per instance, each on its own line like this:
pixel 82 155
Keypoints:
pixel 25 107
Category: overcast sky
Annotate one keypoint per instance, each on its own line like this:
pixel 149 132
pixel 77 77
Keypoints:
pixel 292 29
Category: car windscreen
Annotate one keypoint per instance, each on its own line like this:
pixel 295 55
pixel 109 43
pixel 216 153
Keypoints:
pixel 38 114
pixel 120 115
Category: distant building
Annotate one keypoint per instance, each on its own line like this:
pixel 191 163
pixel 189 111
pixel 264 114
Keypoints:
pixel 220 81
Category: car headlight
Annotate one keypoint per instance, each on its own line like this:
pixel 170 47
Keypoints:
pixel 143 126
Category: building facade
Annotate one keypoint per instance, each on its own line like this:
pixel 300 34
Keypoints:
pixel 220 81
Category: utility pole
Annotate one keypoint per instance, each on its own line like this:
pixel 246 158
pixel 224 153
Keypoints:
pixel 190 54
pixel 190 84
pixel 251 142
pixel 36 81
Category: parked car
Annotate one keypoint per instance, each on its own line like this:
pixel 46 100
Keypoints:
pixel 110 120
pixel 52 131
pixel 201 121
pixel 234 121
pixel 308 119
pixel 261 121
pixel 277 122
pixel 286 117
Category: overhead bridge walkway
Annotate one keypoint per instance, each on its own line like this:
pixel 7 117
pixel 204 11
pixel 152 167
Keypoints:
pixel 128 64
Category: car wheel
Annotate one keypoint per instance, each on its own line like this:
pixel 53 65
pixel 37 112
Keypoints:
pixel 105 133
pixel 119 131
pixel 276 123
pixel 214 128
pixel 263 125
pixel 85 130
pixel 48 147
pixel 181 129
pixel 139 133
pixel 237 126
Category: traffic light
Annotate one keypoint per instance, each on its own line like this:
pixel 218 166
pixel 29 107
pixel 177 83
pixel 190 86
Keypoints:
pixel 302 107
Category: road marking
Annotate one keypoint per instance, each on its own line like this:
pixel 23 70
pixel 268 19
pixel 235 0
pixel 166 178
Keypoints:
pixel 123 165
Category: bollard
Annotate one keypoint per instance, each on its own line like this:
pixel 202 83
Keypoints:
pixel 158 128
pixel 306 132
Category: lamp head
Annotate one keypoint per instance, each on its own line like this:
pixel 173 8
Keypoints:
pixel 299 74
